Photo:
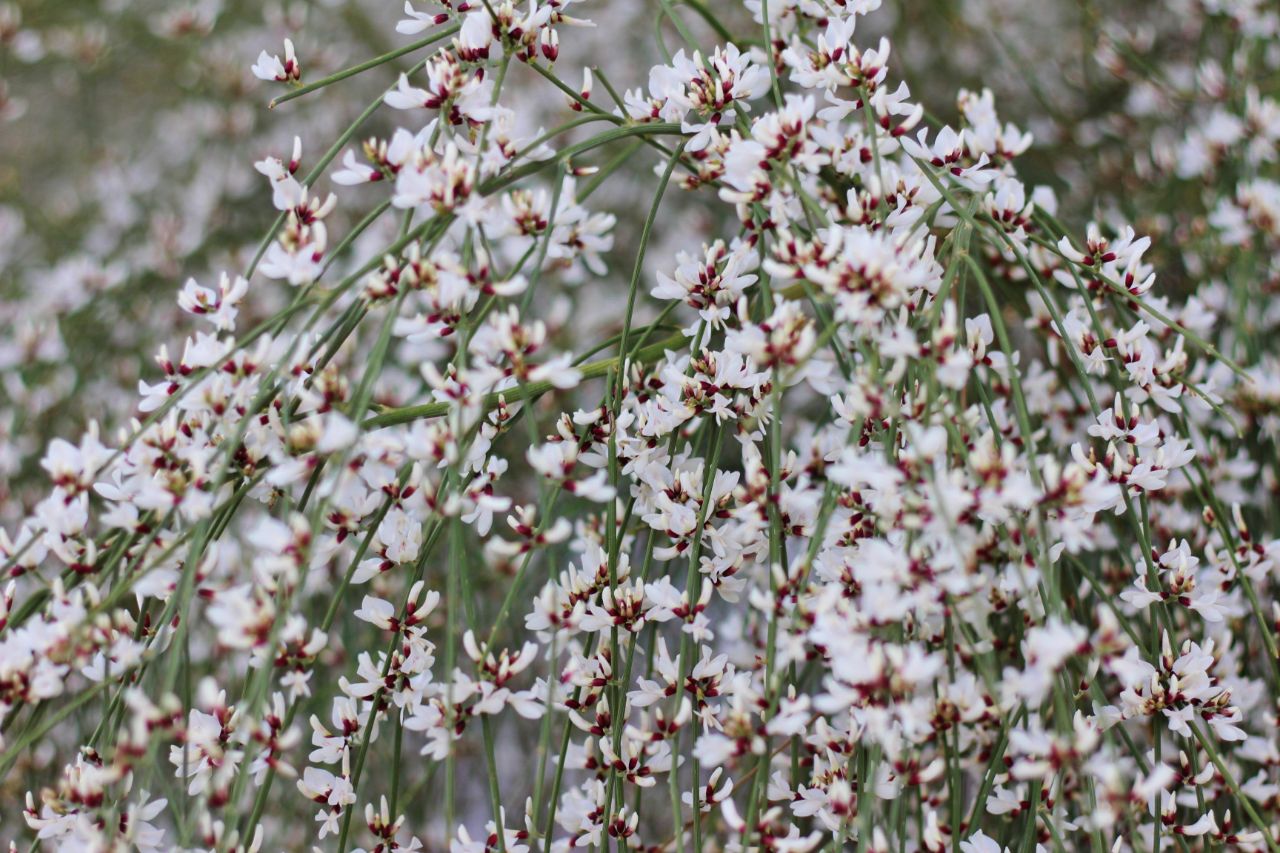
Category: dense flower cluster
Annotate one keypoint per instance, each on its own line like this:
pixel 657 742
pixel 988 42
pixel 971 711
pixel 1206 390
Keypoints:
pixel 898 515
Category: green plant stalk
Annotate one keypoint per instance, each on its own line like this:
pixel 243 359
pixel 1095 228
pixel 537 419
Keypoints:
pixel 360 68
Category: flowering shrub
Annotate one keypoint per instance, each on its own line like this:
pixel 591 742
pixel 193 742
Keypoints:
pixel 846 475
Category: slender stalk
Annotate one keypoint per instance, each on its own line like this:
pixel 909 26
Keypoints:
pixel 360 68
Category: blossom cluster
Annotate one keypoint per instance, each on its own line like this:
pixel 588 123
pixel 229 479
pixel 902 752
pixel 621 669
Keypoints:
pixel 904 512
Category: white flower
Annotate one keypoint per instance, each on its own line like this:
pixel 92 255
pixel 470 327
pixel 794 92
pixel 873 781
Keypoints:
pixel 270 67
